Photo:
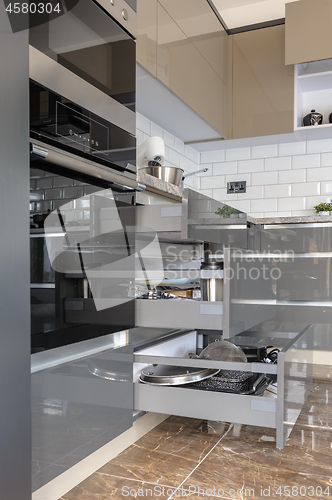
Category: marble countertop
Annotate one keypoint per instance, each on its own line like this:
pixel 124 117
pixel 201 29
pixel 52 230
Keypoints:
pixel 291 220
pixel 158 184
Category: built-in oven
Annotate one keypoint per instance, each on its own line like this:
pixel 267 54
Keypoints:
pixel 82 169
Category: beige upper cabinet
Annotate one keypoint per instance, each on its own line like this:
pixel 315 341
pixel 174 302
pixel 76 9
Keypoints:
pixel 185 47
pixel 239 84
pixel 308 31
pixel 200 25
pixel 263 87
pixel 146 46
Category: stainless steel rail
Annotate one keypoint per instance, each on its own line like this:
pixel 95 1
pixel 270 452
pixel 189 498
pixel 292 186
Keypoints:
pixel 50 155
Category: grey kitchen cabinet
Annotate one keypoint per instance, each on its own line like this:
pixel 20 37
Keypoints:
pixel 82 398
pixel 280 411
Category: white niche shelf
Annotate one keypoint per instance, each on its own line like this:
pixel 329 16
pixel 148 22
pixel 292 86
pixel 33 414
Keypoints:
pixel 313 90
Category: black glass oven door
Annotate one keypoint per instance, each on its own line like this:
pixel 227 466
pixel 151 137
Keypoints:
pixel 88 42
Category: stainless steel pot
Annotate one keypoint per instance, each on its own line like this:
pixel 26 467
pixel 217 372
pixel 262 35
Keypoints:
pixel 173 175
pixel 211 285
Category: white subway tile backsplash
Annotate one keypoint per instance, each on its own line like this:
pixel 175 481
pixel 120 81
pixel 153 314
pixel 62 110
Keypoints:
pixel 257 215
pixel 282 163
pixel 282 179
pixel 185 163
pixel 311 201
pixel 169 139
pixel 286 204
pixel 143 124
pixel 189 182
pixel 224 168
pixel 326 159
pixel 250 166
pixel 319 146
pixel 277 191
pixel 292 148
pixel 209 171
pixel 306 189
pixel 292 176
pixel 206 192
pixel 173 157
pixel 264 205
pixel 214 182
pixel 302 213
pixel 319 174
pixel 264 151
pixel 238 154
pixel 278 214
pixel 139 137
pixel 197 156
pixel 157 131
pixel 190 153
pixel 306 161
pixel 196 184
pixel 221 195
pixel 212 156
pixel 243 205
pixel 326 188
pixel 252 192
pixel 263 178
pixel 145 136
pixel 239 177
pixel 179 146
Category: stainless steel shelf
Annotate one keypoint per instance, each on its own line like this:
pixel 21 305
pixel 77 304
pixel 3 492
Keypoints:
pixel 187 314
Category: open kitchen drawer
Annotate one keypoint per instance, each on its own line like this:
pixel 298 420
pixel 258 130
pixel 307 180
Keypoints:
pixel 278 411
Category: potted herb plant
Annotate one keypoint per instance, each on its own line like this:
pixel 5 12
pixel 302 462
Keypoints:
pixel 226 211
pixel 323 208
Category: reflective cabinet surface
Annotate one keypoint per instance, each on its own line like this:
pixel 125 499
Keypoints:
pixel 78 407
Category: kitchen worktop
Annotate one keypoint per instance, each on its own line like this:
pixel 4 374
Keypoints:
pixel 291 220
pixel 159 185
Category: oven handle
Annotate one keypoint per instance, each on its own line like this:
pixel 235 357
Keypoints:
pixel 92 169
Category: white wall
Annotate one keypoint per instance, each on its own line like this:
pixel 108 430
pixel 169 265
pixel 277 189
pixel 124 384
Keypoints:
pixel 282 179
pixel 285 179
pixel 177 153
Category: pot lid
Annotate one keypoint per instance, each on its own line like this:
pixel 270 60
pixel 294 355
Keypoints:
pixel 222 350
pixel 174 375
pixel 103 369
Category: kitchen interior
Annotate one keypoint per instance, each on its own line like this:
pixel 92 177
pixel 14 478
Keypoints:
pixel 171 299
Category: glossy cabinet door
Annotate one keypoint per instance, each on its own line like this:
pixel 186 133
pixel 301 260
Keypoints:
pixel 263 87
pixel 201 26
pixel 182 67
pixel 308 31
pixel 187 51
pixel 146 46
pixel 79 406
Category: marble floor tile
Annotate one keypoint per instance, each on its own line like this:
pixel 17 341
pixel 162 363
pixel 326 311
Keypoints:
pixel 148 465
pixel 214 460
pixel 191 441
pixel 106 487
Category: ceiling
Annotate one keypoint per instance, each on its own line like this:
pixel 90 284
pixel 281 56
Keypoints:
pixel 240 13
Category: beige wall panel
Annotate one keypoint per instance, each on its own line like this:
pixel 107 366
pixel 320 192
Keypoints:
pixel 263 87
pixel 198 22
pixel 146 47
pixel 184 70
pixel 308 31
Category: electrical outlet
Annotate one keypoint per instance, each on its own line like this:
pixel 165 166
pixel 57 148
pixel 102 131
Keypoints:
pixel 236 187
